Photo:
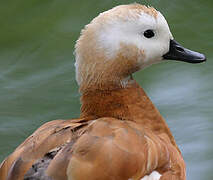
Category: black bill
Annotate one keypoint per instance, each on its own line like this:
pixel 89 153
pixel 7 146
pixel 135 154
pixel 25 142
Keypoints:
pixel 179 53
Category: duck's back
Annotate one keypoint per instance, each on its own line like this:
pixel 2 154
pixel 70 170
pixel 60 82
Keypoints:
pixel 105 148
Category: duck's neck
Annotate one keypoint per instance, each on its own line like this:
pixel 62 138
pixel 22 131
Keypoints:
pixel 129 103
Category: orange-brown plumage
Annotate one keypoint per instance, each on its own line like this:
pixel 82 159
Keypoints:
pixel 120 134
pixel 117 131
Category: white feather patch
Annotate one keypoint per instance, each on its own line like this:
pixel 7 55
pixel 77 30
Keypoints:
pixel 153 176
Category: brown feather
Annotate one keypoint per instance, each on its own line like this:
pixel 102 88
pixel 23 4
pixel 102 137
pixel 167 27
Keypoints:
pixel 130 142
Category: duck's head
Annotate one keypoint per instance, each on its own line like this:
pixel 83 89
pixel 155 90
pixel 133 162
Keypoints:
pixel 122 41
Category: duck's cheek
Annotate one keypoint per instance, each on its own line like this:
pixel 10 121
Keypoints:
pixel 149 58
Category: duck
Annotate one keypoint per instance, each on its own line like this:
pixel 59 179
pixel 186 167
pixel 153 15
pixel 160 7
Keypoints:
pixel 120 134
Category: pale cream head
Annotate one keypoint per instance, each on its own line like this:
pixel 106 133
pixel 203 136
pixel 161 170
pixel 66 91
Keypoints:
pixel 113 46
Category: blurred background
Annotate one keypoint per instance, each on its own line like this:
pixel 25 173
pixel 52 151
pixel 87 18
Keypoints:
pixel 37 76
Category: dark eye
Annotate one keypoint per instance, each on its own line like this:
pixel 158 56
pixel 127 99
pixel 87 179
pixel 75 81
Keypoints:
pixel 149 33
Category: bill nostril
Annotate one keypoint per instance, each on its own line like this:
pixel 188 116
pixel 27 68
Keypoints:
pixel 180 49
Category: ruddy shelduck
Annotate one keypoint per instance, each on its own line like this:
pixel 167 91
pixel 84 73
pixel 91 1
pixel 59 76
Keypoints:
pixel 120 134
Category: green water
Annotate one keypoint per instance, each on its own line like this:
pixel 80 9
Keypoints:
pixel 37 78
